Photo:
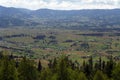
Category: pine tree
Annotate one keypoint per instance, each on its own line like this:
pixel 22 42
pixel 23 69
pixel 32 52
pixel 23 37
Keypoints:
pixel 39 66
pixel 100 63
pixel 47 74
pixel 99 76
pixel 27 71
pixel 103 66
pixel 7 69
pixel 96 66
pixel 109 66
pixel 116 72
pixel 54 62
pixel 91 63
pixel 62 72
pixel 82 76
pixel 1 54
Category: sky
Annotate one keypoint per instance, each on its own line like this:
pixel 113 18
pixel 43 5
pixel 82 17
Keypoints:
pixel 62 4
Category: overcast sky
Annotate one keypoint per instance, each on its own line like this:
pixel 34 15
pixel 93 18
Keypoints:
pixel 62 4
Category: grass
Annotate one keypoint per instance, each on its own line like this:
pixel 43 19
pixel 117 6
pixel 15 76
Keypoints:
pixel 43 48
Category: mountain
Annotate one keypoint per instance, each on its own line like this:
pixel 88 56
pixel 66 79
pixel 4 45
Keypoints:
pixel 70 19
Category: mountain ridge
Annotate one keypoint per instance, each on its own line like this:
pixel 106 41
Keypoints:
pixel 89 18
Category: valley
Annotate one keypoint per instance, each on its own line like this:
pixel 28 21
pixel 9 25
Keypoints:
pixel 47 44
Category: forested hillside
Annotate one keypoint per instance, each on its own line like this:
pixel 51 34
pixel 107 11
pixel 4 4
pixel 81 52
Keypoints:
pixel 69 19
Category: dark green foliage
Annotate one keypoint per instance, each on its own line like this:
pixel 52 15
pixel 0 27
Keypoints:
pixel 58 69
pixel 99 76
pixel 46 75
pixel 91 63
pixel 62 71
pixel 103 65
pixel 116 72
pixel 1 54
pixel 7 69
pixel 27 70
pixel 100 65
pixel 109 66
pixel 87 68
pixel 85 46
pixel 50 64
pixel 39 66
pixel 82 76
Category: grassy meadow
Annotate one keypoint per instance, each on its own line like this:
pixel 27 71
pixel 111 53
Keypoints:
pixel 48 43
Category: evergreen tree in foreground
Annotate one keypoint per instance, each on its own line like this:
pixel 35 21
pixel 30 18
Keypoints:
pixel 7 69
pixel 58 69
pixel 82 76
pixel 116 72
pixel 27 71
pixel 39 66
pixel 99 76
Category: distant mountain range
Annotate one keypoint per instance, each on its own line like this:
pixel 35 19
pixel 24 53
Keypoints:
pixel 70 19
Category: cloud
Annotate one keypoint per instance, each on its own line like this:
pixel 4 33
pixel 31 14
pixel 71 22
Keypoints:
pixel 62 4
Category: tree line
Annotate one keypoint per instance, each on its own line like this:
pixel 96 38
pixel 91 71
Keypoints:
pixel 58 69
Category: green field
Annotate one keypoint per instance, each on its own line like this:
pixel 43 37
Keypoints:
pixel 47 44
